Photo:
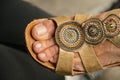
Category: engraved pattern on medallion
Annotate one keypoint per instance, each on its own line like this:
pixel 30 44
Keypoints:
pixel 69 36
pixel 93 29
pixel 111 25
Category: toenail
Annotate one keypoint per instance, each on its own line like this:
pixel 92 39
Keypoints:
pixel 41 29
pixel 38 45
pixel 42 55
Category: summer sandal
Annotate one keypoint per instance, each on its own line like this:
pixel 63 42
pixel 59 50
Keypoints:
pixel 80 35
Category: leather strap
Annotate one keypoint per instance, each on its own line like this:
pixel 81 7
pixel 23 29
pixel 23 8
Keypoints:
pixel 65 63
pixel 65 60
pixel 116 41
pixel 89 58
pixel 81 18
pixel 86 52
pixel 61 19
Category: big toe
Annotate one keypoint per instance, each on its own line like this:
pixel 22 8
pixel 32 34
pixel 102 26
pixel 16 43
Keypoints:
pixel 43 30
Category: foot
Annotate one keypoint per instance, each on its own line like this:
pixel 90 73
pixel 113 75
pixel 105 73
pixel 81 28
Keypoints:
pixel 47 50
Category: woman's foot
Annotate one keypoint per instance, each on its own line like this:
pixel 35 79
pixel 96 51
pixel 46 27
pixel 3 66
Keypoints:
pixel 47 50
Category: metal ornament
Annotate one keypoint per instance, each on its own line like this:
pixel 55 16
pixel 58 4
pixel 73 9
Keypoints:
pixel 93 29
pixel 111 25
pixel 69 36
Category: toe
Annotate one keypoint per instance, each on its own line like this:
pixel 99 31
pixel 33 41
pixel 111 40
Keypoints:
pixel 47 54
pixel 39 46
pixel 54 59
pixel 44 30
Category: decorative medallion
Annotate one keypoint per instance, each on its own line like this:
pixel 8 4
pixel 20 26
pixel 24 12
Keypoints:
pixel 111 25
pixel 69 36
pixel 93 29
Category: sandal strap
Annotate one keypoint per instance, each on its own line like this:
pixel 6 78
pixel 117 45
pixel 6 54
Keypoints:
pixel 81 17
pixel 61 19
pixel 65 61
pixel 86 52
pixel 89 58
pixel 116 41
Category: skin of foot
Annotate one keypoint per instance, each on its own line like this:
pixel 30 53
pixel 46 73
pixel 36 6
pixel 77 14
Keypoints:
pixel 46 48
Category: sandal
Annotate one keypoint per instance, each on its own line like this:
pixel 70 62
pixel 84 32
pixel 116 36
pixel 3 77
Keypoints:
pixel 80 35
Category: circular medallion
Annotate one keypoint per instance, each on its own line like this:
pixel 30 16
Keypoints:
pixel 69 36
pixel 111 25
pixel 93 29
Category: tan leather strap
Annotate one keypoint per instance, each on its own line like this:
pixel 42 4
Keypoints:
pixel 81 18
pixel 86 52
pixel 61 19
pixel 89 58
pixel 116 41
pixel 65 60
pixel 65 63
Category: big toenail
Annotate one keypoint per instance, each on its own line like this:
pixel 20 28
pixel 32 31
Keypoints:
pixel 41 29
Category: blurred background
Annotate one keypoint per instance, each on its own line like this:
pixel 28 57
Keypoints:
pixel 71 7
